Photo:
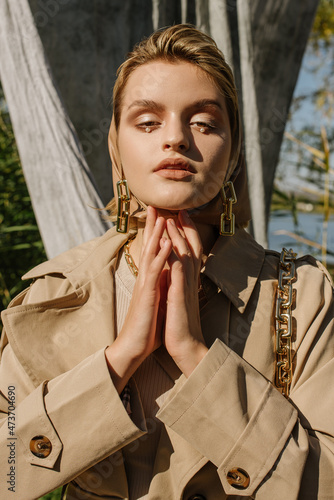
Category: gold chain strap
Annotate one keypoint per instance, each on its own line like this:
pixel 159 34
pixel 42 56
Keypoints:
pixel 283 321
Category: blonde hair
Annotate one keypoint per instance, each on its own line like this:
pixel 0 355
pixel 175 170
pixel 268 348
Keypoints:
pixel 183 42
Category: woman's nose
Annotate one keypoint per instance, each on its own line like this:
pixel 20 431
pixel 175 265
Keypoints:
pixel 176 137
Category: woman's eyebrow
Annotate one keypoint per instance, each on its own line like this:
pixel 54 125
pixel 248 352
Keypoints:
pixel 146 103
pixel 208 103
pixel 201 104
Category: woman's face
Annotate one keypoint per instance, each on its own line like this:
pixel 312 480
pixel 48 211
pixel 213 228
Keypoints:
pixel 174 135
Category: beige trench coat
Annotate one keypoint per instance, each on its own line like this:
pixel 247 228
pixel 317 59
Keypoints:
pixel 226 415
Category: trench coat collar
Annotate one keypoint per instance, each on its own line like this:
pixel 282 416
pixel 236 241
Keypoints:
pixel 82 263
pixel 234 265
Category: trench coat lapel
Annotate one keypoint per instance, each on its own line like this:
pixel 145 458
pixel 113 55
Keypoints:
pixel 234 265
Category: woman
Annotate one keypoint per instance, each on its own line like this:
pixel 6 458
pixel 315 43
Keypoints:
pixel 144 363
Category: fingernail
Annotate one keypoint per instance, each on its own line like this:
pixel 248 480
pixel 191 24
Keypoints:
pixel 171 221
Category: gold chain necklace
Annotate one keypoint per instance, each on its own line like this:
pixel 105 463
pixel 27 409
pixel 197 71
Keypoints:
pixel 284 325
pixel 129 259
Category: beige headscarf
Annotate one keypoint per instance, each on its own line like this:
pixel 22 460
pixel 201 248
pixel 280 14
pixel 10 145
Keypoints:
pixel 208 214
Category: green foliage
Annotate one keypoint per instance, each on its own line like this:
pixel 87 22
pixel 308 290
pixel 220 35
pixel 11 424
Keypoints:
pixel 55 495
pixel 322 46
pixel 323 27
pixel 21 247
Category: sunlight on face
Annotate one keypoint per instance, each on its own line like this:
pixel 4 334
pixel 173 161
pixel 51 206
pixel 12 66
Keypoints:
pixel 174 135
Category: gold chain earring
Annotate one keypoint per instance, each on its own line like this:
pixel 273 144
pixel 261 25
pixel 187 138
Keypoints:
pixel 123 196
pixel 227 219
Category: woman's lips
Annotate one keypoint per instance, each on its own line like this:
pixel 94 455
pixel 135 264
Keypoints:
pixel 174 174
pixel 174 168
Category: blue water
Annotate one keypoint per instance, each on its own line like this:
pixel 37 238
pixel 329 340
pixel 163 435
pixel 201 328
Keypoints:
pixel 309 226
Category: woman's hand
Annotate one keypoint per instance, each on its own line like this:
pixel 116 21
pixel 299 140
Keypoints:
pixel 141 332
pixel 183 335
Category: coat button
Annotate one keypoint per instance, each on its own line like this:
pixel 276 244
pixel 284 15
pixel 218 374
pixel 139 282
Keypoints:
pixel 238 478
pixel 40 446
pixel 197 497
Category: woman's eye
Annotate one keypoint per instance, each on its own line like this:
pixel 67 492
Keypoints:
pixel 204 126
pixel 147 126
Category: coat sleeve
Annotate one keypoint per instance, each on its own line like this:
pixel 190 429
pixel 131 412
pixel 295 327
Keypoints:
pixel 262 444
pixel 52 433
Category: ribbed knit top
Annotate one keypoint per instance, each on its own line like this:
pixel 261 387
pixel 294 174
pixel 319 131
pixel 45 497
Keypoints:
pixel 152 383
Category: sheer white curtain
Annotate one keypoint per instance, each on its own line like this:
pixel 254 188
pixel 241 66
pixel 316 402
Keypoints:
pixel 58 178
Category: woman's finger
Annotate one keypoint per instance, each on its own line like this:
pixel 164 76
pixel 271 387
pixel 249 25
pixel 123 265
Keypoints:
pixel 155 255
pixel 153 235
pixel 191 234
pixel 151 217
pixel 183 265
pixel 180 244
pixel 162 256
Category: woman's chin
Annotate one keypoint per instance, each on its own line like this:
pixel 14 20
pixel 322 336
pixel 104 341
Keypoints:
pixel 173 206
pixel 170 210
pixel 190 207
